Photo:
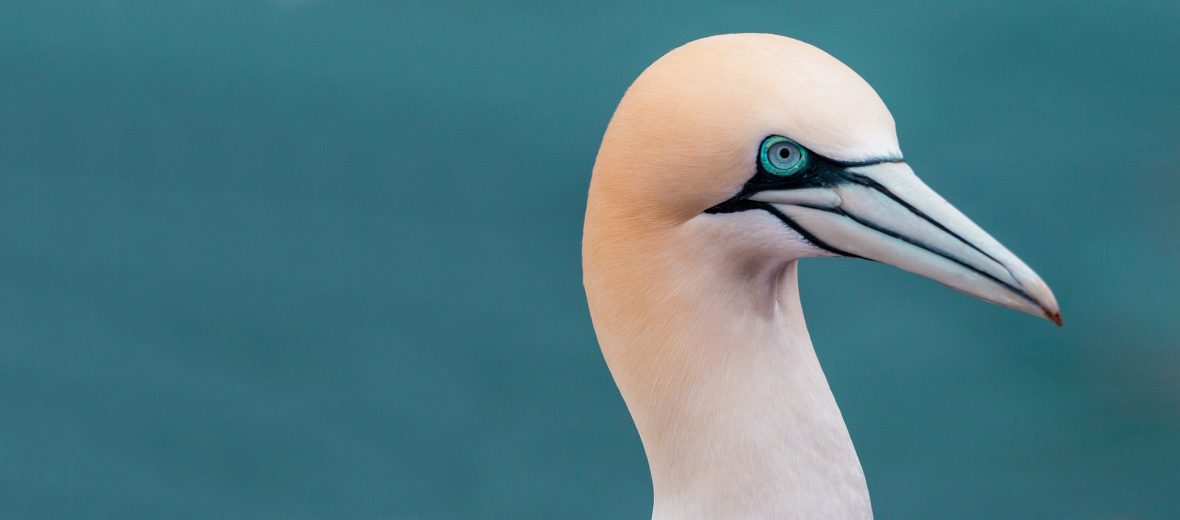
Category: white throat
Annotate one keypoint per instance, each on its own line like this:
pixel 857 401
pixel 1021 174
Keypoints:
pixel 712 356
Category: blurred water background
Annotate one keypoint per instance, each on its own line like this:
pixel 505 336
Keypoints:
pixel 320 259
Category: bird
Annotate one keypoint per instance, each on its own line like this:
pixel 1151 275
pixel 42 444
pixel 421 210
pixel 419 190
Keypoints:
pixel 727 161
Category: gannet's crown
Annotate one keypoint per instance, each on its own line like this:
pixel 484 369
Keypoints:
pixel 692 122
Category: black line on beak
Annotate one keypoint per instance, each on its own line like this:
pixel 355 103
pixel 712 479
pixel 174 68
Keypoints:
pixel 1019 291
pixel 807 236
pixel 870 183
pixel 826 172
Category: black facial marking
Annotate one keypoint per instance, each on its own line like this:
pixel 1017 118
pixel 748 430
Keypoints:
pixel 766 206
pixel 823 172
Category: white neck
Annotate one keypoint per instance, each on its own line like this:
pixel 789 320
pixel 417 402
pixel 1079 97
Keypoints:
pixel 713 358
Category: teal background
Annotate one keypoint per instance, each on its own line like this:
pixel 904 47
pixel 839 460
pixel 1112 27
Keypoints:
pixel 320 259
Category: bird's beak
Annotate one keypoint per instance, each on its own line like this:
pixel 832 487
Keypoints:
pixel 883 212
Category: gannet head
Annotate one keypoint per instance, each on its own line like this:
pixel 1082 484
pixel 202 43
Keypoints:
pixel 791 154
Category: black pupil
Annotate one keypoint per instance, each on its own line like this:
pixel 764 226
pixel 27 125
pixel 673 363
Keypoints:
pixel 784 152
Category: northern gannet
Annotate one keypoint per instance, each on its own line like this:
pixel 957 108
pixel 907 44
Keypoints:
pixel 728 160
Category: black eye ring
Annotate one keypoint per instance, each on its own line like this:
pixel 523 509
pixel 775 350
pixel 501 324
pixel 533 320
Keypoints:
pixel 782 157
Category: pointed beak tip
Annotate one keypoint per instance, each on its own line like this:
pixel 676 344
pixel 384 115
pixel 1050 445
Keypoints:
pixel 1054 316
pixel 1039 293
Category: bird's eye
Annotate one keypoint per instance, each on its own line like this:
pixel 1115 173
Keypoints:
pixel 781 156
